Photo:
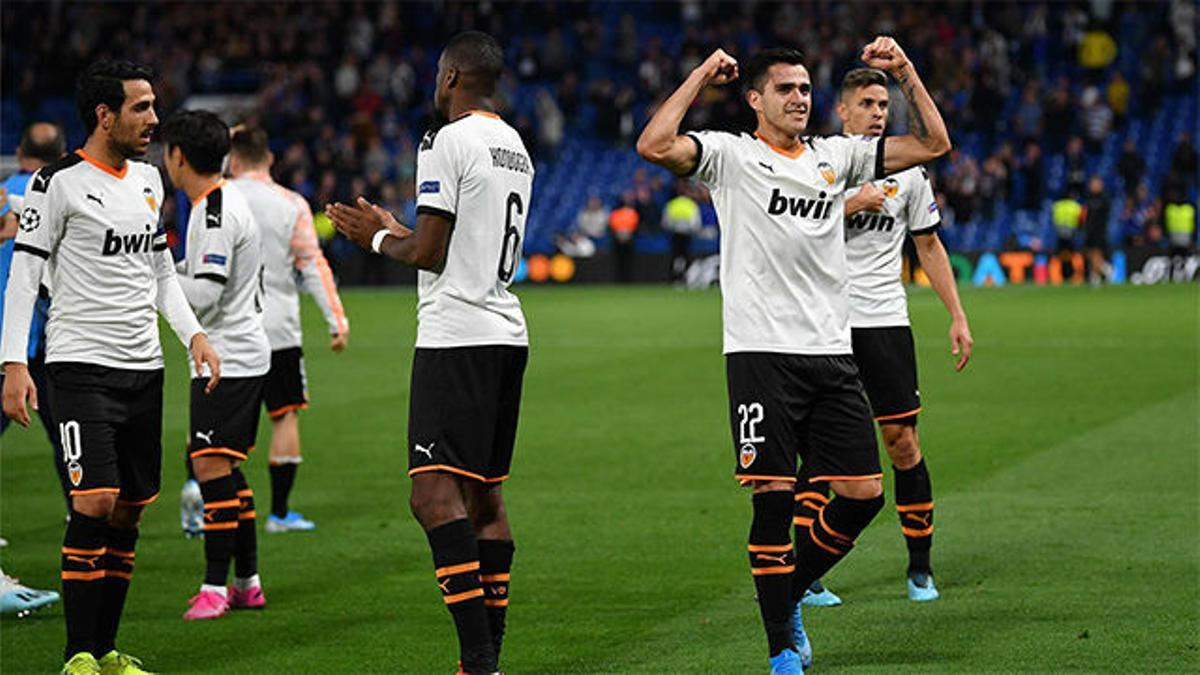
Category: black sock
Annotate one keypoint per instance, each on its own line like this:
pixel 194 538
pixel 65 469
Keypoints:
pixel 456 559
pixel 831 538
pixel 495 571
pixel 282 477
pixel 220 527
pixel 118 570
pixel 187 462
pixel 914 502
pixel 84 546
pixel 772 563
pixel 810 499
pixel 245 553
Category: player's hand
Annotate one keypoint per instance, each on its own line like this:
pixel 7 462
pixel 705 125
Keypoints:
pixel 868 198
pixel 18 389
pixel 203 354
pixel 337 342
pixel 960 342
pixel 360 222
pixel 719 68
pixel 883 53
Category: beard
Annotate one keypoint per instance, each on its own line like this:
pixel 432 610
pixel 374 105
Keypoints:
pixel 126 149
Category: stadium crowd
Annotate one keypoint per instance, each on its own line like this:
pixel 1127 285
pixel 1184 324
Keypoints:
pixel 1039 97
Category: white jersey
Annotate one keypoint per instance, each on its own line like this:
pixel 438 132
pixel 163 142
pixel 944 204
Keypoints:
pixel 223 279
pixel 476 172
pixel 91 234
pixel 783 258
pixel 875 243
pixel 291 258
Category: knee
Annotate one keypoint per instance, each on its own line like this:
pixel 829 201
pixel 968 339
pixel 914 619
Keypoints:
pixel 95 506
pixel 126 516
pixel 211 467
pixel 433 505
pixel 903 448
pixel 862 490
pixel 487 511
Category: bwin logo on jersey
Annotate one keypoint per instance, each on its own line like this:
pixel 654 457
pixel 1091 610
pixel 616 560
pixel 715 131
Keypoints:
pixel 871 222
pixel 115 244
pixel 816 209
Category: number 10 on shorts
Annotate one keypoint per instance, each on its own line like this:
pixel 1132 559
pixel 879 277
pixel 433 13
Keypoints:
pixel 72 449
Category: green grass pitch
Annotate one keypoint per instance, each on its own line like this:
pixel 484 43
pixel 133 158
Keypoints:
pixel 1064 462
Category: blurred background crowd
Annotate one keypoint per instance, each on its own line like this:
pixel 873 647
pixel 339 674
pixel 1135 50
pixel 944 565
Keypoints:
pixel 1093 102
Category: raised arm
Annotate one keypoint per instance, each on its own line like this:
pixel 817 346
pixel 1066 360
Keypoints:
pixel 936 264
pixel 927 138
pixel 661 142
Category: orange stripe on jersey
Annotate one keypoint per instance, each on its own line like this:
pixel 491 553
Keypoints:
pixel 760 571
pixel 115 173
pixel 211 189
pixel 909 508
pixel 69 575
pixel 769 548
pixel 790 154
pixel 468 595
pixel 456 569
pixel 909 532
pixel 492 578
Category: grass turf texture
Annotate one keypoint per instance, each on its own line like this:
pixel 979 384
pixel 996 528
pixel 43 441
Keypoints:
pixel 1064 465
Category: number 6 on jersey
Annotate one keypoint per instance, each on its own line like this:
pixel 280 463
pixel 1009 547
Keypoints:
pixel 510 250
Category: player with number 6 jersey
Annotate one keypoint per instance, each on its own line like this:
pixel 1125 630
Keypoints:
pixel 474 179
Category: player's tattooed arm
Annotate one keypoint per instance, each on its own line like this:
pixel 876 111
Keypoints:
pixel 927 138
pixel 660 142
pixel 424 248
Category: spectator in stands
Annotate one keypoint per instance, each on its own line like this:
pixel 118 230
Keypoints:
pixel 551 125
pixel 1095 229
pixel 1131 167
pixel 1033 173
pixel 592 221
pixel 624 224
pixel 1181 179
pixel 1028 120
pixel 1096 118
pixel 681 218
pixel 1059 113
pixel 1180 220
pixel 1076 166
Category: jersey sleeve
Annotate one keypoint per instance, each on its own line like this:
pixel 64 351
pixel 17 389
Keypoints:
pixel 861 158
pixel 315 275
pixel 40 226
pixel 711 148
pixel 210 242
pixel 922 208
pixel 439 174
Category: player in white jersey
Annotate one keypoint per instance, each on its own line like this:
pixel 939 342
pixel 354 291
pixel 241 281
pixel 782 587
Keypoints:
pixel 793 385
pixel 474 178
pixel 90 221
pixel 222 277
pixel 292 259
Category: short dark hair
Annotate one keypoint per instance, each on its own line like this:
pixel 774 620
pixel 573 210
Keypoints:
pixel 104 82
pixel 200 135
pixel 250 144
pixel 43 148
pixel 862 77
pixel 479 57
pixel 762 60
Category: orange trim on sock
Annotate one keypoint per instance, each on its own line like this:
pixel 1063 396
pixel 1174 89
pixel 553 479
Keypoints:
pixel 769 548
pixel 448 469
pixel 491 578
pixel 96 491
pixel 898 416
pixel 247 515
pixel 800 496
pixel 823 479
pixel 909 532
pixel 812 505
pixel 498 602
pixel 225 504
pixel 760 571
pixel 229 452
pixel 280 412
pixel 128 555
pixel 71 575
pixel 460 597
pixel 825 526
pixel 908 508
pixel 812 533
pixel 231 525
pixel 245 493
pixel 805 522
pixel 127 576
pixel 84 551
pixel 456 569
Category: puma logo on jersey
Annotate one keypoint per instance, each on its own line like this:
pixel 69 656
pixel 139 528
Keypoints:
pixel 871 222
pixel 417 447
pixel 39 183
pixel 814 209
pixel 922 519
pixel 207 438
pixel 766 166
pixel 115 244
pixel 95 199
pixel 781 559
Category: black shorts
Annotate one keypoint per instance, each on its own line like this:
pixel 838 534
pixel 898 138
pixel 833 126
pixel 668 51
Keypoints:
pixel 463 408
pixel 110 422
pixel 225 422
pixel 887 363
pixel 286 388
pixel 784 406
